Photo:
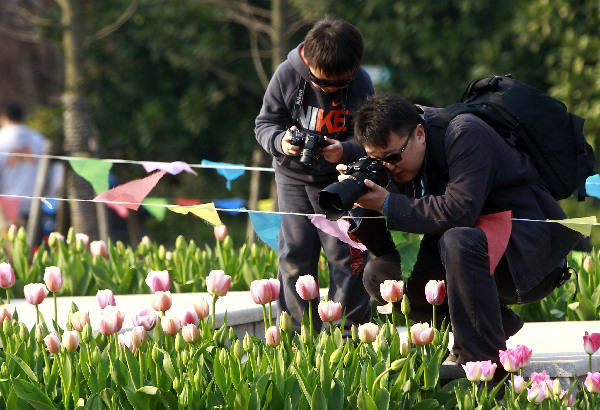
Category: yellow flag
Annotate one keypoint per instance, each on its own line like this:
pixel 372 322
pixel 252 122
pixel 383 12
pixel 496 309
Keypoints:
pixel 581 225
pixel 265 205
pixel 204 211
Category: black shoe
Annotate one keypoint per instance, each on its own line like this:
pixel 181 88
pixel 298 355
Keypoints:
pixel 511 322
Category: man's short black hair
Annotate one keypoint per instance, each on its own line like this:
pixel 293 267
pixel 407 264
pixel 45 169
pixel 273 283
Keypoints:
pixel 381 114
pixel 334 46
pixel 14 112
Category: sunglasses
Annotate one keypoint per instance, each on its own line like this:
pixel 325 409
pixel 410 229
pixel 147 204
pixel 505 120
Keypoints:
pixel 397 156
pixel 329 83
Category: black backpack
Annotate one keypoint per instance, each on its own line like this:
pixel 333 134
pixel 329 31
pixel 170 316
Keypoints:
pixel 532 122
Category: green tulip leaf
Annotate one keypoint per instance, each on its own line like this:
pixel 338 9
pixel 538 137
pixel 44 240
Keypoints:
pixel 142 399
pixel 427 404
pixel 336 395
pixel 364 401
pixel 32 395
pixel 318 400
pixel 382 398
pixel 24 366
pixel 220 376
pixel 134 368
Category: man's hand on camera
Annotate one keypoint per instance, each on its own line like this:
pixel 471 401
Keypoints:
pixel 287 148
pixel 373 199
pixel 334 151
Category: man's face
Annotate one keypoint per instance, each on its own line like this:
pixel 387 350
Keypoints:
pixel 403 155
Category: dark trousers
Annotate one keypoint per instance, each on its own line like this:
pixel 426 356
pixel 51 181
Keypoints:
pixel 459 257
pixel 299 249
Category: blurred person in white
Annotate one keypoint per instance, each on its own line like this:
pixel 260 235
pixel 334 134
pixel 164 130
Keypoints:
pixel 18 173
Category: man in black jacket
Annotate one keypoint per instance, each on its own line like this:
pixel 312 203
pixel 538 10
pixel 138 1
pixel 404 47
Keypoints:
pixel 486 176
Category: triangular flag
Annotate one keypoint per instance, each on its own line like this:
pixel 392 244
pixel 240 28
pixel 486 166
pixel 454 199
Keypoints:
pixel 497 228
pixel 131 193
pixel 204 211
pixel 338 228
pixel 592 186
pixel 229 173
pixel 230 203
pixel 581 225
pixel 187 201
pixel 172 168
pixel 10 208
pixel 119 209
pixel 95 171
pixel 265 205
pixel 267 226
pixel 158 212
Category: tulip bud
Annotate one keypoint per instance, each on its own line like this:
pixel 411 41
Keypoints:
pixel 179 346
pixel 12 232
pixel 405 306
pixel 273 337
pixel 404 347
pixel 180 243
pixel 162 252
pixel 23 332
pixel 22 235
pixel 285 321
pixel 397 364
pixel 348 358
pixel 54 239
pixel 120 247
pixel 190 333
pixel 95 356
pixel 71 237
pixel 184 356
pixel 138 336
pixel 46 259
pixel 176 384
pixel 40 333
pixel 354 333
pixel 232 335
pixel 192 246
pixel 367 332
pixel 70 340
pixel 220 232
pixel 247 345
pixel 86 333
pixel 588 264
pixel 157 355
pixel 304 335
pixel 7 276
pixel 198 381
pixel 336 356
pixel 79 320
pixel 238 351
pixel 382 345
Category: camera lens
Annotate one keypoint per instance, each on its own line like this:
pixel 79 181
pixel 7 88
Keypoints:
pixel 338 198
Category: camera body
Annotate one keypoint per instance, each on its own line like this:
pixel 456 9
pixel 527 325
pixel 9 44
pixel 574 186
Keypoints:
pixel 312 145
pixel 338 198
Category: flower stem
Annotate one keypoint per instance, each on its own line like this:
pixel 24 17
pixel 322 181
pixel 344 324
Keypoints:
pixel 55 309
pixel 37 315
pixel 265 317
pixel 408 330
pixel 270 315
pixel 141 368
pixel 7 296
pixel 392 314
pixel 214 302
pixel 310 318
pixel 433 318
pixel 331 328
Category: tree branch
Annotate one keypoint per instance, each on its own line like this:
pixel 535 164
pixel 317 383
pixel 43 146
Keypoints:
pixel 254 51
pixel 30 17
pixel 231 77
pixel 25 36
pixel 105 31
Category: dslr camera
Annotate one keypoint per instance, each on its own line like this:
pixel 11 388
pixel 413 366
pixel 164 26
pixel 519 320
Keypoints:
pixel 312 145
pixel 338 198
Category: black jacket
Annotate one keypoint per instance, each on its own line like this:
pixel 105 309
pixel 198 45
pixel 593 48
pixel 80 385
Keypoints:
pixel 486 175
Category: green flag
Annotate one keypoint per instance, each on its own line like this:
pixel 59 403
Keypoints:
pixel 156 211
pixel 95 171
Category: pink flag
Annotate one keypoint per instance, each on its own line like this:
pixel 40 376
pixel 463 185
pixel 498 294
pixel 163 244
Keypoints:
pixel 497 228
pixel 338 228
pixel 132 193
pixel 172 168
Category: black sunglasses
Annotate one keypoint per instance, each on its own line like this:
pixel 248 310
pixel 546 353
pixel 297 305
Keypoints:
pixel 397 156
pixel 329 83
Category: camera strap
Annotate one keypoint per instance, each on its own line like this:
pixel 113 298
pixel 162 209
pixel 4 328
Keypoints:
pixel 299 101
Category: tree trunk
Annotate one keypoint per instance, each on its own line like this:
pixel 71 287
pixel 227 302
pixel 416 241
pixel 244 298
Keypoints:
pixel 78 126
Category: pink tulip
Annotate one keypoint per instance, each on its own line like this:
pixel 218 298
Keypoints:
pixel 261 292
pixel 487 370
pixel 105 298
pixel 391 290
pixel 7 276
pixel 188 316
pixel 592 382
pixel 201 307
pixel 146 241
pixel 307 287
pixel 55 238
pixel 161 301
pixel 519 384
pixel 52 343
pixel 125 341
pixel 220 232
pixel 421 334
pixel 330 311
pixel 35 293
pixel 99 248
pixel 217 283
pixel 158 281
pixel 170 325
pixel 5 312
pixel 435 291
pixel 111 320
pixel 138 336
pixel 275 288
pixel 367 332
pixel 591 342
pixel 536 393
pixel 53 278
pixel 70 340
pixel 145 318
pixel 83 238
pixel 510 360
pixel 190 333
pixel 472 371
pixel 539 378
pixel 79 319
pixel 273 336
pixel 524 355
